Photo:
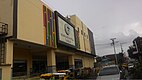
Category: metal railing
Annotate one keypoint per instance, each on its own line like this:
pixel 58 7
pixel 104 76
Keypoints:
pixel 3 29
pixel 2 53
pixel 3 33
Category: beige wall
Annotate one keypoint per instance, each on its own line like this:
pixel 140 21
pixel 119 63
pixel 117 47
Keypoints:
pixel 86 39
pixel 6 68
pixel 6 14
pixel 86 60
pixel 78 25
pixel 83 33
pixel 30 21
pixel 6 72
pixel 9 52
pixel 71 60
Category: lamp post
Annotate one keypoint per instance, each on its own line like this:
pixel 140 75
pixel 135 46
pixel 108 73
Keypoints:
pixel 113 44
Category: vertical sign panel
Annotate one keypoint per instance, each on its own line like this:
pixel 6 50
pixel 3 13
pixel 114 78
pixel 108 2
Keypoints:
pixel 44 22
pixel 49 27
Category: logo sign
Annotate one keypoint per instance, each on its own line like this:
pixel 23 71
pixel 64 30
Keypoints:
pixel 66 32
pixel 67 29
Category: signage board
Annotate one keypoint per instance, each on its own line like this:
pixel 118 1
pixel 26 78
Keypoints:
pixel 65 31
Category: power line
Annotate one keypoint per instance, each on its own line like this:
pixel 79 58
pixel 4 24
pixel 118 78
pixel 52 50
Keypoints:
pixel 102 44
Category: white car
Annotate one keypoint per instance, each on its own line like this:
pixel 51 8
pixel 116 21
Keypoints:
pixel 111 72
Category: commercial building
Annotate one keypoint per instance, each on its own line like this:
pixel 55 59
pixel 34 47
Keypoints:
pixel 34 39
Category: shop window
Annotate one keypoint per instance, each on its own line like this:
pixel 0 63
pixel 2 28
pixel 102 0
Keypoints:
pixel 39 64
pixel 62 62
pixel 78 63
pixel 20 68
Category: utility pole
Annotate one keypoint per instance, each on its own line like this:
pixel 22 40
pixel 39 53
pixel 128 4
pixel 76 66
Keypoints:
pixel 122 46
pixel 113 44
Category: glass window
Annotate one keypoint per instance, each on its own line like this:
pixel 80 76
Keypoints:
pixel 20 68
pixel 78 63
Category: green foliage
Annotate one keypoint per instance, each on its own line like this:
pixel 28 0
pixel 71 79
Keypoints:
pixel 137 71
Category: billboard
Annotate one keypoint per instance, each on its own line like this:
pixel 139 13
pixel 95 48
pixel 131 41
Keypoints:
pixel 65 31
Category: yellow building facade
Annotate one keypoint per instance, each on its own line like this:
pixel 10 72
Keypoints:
pixel 34 39
pixel 83 34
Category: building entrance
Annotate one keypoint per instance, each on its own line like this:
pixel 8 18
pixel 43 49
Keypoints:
pixel 19 68
pixel 39 64
pixel 62 62
pixel 78 63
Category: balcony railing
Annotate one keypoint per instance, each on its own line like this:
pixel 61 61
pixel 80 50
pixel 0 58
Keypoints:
pixel 2 53
pixel 3 33
pixel 3 29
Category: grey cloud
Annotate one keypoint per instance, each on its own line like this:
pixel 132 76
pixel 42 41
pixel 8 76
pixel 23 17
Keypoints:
pixel 106 18
pixel 104 47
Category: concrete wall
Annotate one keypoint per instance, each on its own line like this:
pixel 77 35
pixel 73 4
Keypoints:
pixel 6 72
pixel 78 25
pixel 87 61
pixel 30 21
pixel 86 39
pixel 6 68
pixel 6 14
pixel 83 33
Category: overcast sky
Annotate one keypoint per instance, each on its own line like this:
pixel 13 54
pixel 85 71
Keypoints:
pixel 120 19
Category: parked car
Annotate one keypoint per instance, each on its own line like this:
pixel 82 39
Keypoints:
pixel 110 72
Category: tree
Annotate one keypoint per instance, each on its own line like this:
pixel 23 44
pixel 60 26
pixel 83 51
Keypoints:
pixel 120 58
pixel 132 52
pixel 137 42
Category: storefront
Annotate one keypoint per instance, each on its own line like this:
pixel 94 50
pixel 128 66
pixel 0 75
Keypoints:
pixel 62 62
pixel 40 40
pixel 78 63
pixel 19 68
pixel 39 64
